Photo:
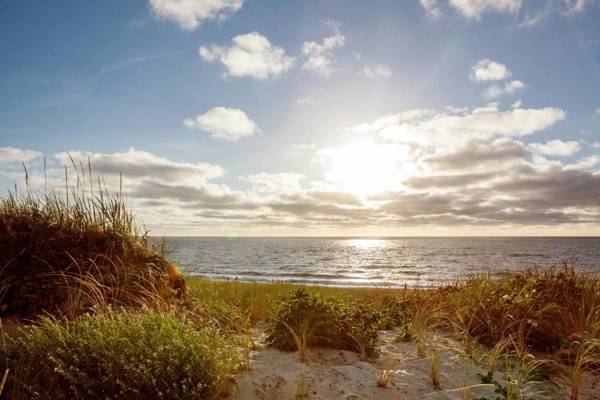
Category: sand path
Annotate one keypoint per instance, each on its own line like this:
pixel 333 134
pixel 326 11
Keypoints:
pixel 335 374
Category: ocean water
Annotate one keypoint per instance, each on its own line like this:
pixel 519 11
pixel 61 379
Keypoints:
pixel 378 262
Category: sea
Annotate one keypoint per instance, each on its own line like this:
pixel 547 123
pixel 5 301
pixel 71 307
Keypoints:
pixel 375 262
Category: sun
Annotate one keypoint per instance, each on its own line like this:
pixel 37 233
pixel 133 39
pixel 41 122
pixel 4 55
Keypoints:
pixel 365 168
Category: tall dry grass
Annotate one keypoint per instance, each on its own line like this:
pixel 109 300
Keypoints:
pixel 62 252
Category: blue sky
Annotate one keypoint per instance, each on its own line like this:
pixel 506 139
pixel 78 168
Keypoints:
pixel 315 117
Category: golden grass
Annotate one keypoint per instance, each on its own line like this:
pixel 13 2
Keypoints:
pixel 65 252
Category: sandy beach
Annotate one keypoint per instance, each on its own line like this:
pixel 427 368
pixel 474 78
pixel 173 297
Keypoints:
pixel 337 374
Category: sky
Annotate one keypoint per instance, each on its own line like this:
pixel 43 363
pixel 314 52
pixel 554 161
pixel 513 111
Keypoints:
pixel 313 118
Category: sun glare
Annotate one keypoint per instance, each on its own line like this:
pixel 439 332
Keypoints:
pixel 364 168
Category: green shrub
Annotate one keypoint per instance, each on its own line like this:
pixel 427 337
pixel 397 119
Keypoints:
pixel 358 328
pixel 395 312
pixel 118 355
pixel 303 308
pixel 325 322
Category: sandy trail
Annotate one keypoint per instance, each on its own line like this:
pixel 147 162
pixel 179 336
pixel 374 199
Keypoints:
pixel 336 374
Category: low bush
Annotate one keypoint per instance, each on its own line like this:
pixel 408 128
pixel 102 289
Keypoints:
pixel 118 355
pixel 326 322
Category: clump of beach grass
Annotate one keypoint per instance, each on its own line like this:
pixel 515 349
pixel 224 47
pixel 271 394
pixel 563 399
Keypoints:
pixel 587 353
pixel 301 391
pixel 434 363
pixel 63 252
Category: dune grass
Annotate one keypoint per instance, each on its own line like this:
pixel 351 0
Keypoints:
pixel 63 252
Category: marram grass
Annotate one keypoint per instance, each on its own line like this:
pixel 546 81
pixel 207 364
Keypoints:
pixel 63 252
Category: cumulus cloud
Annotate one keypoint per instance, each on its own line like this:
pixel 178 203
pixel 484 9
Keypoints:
pixel 496 91
pixel 556 147
pixel 488 70
pixel 453 127
pixel 141 164
pixel 472 155
pixel 320 57
pixel 585 163
pixel 281 182
pixel 513 86
pixel 374 71
pixel 13 154
pixel 251 54
pixel 189 14
pixel 224 123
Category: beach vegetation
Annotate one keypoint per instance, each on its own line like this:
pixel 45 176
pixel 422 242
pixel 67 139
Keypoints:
pixel 65 252
pixel 304 319
pixel 118 355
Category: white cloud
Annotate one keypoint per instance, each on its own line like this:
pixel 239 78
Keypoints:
pixel 281 182
pixel 141 164
pixel 472 9
pixel 453 127
pixel 585 163
pixel 433 8
pixel 536 15
pixel 493 92
pixel 250 55
pixel 556 147
pixel 320 56
pixel 513 86
pixel 307 100
pixel 488 70
pixel 531 15
pixel 475 8
pixel 374 71
pixel 189 14
pixel 12 154
pixel 225 123
pixel 496 91
pixel 575 6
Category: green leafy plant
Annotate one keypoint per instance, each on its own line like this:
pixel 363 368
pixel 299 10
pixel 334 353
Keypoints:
pixel 305 319
pixel 118 355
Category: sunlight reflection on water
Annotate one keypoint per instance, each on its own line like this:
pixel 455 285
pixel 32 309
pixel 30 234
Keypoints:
pixel 367 244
